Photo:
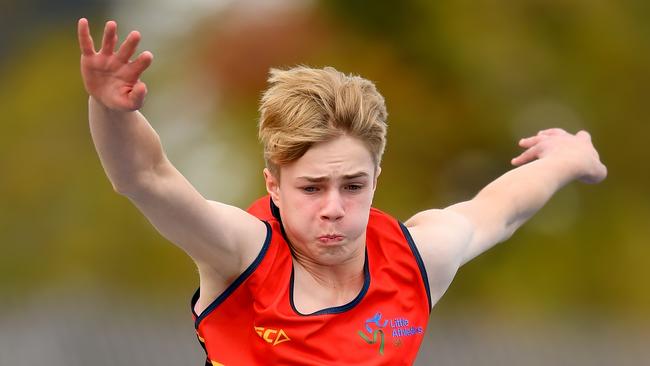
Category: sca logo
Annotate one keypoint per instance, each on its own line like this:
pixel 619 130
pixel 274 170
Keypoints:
pixel 375 335
pixel 272 336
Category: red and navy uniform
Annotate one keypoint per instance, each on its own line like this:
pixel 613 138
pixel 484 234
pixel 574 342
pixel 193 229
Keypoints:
pixel 254 321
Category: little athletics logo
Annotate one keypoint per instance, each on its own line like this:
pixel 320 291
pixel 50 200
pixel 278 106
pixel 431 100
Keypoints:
pixel 377 334
pixel 375 330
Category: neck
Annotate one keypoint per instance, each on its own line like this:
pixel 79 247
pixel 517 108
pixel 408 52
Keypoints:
pixel 340 276
pixel 318 286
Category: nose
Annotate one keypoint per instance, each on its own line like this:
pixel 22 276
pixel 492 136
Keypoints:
pixel 332 208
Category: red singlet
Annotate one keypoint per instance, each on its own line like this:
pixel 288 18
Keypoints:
pixel 254 321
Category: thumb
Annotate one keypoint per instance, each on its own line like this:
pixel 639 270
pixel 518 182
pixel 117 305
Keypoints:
pixel 137 94
pixel 584 134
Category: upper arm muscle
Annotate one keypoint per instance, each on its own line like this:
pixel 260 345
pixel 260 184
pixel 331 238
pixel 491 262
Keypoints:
pixel 488 222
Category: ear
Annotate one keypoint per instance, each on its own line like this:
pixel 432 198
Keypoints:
pixel 272 186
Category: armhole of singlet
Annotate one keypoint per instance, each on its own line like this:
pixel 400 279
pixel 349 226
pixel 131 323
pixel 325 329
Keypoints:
pixel 233 286
pixel 418 259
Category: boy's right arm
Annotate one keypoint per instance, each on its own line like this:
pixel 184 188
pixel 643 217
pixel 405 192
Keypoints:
pixel 221 239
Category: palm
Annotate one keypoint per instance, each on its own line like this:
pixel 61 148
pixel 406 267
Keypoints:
pixel 110 77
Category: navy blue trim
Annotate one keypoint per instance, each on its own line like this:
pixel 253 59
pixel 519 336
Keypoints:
pixel 418 259
pixel 341 308
pixel 233 286
pixel 275 210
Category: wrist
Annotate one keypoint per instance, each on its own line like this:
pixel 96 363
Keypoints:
pixel 566 169
pixel 97 105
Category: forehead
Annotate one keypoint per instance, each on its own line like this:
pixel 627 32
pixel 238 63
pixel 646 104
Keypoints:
pixel 342 157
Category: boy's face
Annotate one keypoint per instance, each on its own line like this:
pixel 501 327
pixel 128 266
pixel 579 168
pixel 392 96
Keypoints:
pixel 324 199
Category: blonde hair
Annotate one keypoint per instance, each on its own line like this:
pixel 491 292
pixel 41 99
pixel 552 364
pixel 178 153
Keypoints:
pixel 303 106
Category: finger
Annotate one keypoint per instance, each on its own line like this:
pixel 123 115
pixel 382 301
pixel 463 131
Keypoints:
pixel 137 66
pixel 552 132
pixel 110 38
pixel 137 94
pixel 526 156
pixel 529 141
pixel 127 49
pixel 85 40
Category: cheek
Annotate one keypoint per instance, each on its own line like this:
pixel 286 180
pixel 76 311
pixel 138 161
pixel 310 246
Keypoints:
pixel 302 207
pixel 357 213
pixel 360 220
pixel 299 216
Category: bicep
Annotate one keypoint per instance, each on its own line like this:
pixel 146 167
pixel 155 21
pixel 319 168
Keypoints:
pixel 488 221
pixel 216 236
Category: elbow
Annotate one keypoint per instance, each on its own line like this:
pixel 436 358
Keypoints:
pixel 144 180
pixel 509 229
pixel 132 187
pixel 123 189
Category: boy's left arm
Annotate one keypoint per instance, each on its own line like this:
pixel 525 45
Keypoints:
pixel 451 237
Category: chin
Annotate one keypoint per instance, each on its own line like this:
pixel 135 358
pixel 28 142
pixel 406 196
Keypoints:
pixel 330 255
pixel 330 259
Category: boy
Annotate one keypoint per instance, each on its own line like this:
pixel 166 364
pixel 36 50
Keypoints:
pixel 311 274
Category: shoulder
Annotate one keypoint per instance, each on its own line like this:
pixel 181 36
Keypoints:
pixel 441 237
pixel 440 229
pixel 246 232
pixel 440 224
pixel 245 226
pixel 434 229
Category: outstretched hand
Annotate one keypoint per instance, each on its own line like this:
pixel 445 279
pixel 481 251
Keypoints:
pixel 111 77
pixel 576 150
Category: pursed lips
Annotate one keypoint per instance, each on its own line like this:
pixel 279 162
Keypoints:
pixel 330 238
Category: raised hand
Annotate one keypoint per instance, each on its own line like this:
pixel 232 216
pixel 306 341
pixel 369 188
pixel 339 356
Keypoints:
pixel 576 150
pixel 111 77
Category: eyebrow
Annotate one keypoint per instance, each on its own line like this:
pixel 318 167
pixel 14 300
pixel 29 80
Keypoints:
pixel 325 178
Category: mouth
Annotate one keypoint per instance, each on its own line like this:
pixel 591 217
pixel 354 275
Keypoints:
pixel 330 238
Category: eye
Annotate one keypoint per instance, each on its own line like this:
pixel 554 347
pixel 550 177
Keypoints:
pixel 310 189
pixel 353 187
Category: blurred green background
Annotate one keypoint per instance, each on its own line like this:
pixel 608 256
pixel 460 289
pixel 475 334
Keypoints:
pixel 463 81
